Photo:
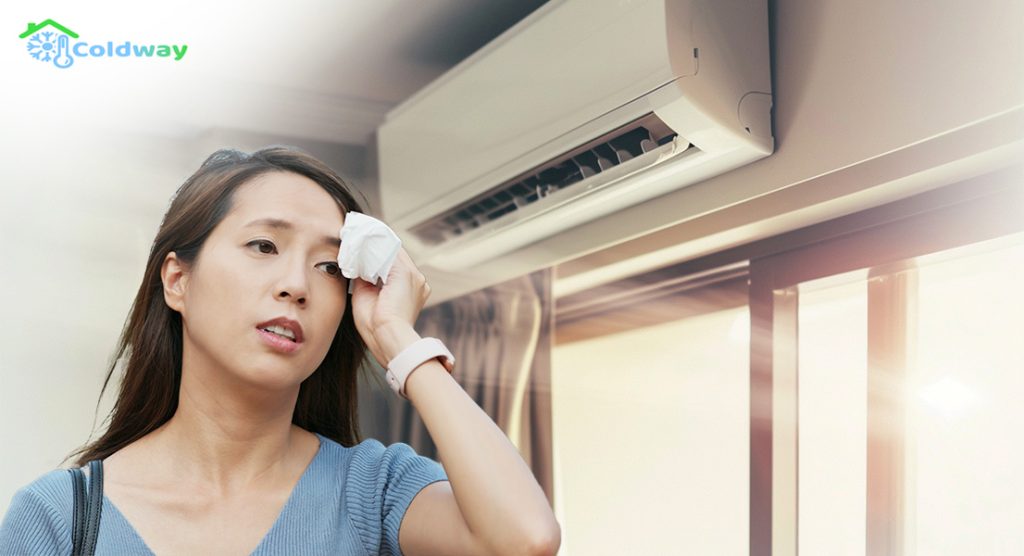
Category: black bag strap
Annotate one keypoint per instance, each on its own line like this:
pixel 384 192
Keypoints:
pixel 88 506
pixel 78 510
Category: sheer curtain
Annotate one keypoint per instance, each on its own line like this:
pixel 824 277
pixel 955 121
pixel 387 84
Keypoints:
pixel 501 339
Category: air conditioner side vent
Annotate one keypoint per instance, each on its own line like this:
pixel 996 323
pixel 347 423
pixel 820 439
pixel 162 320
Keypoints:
pixel 598 155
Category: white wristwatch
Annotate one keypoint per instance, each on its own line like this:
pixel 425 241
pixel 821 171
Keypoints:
pixel 413 356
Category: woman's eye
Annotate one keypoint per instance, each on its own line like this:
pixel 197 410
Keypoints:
pixel 260 243
pixel 334 270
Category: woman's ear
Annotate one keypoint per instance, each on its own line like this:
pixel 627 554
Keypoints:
pixel 174 278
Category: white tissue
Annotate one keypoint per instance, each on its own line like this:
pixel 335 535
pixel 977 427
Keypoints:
pixel 368 249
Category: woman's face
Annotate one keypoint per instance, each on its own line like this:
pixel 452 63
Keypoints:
pixel 251 270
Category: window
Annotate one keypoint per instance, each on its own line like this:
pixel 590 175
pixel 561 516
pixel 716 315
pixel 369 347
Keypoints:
pixel 964 487
pixel 856 389
pixel 832 409
pixel 890 355
pixel 651 426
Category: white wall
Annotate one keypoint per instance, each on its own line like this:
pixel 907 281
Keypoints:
pixel 77 217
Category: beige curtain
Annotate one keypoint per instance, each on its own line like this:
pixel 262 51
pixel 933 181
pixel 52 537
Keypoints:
pixel 501 338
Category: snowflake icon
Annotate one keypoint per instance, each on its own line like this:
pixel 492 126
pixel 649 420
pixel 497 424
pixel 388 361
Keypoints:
pixel 43 46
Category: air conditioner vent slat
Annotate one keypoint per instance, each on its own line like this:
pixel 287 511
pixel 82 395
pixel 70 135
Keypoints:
pixel 598 155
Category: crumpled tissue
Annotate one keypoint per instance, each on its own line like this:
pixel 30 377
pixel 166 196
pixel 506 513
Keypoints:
pixel 368 249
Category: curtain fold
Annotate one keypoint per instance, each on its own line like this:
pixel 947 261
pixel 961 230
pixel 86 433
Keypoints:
pixel 501 338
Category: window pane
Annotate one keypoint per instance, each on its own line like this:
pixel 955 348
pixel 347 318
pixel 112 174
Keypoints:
pixel 832 409
pixel 652 430
pixel 965 457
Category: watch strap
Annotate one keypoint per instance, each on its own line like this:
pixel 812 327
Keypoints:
pixel 414 355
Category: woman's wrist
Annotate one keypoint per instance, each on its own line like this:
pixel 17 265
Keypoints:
pixel 393 338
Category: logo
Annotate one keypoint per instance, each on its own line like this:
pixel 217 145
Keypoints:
pixel 50 41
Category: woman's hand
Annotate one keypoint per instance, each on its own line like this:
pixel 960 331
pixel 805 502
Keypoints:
pixel 385 315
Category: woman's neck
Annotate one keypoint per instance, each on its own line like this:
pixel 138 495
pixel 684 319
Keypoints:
pixel 225 443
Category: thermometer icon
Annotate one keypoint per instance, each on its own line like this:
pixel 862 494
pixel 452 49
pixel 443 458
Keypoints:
pixel 63 59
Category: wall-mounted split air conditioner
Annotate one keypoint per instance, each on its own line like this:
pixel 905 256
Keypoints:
pixel 583 108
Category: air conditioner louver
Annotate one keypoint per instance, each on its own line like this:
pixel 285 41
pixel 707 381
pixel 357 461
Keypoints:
pixel 570 170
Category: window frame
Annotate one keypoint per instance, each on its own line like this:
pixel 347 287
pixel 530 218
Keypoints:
pixel 885 240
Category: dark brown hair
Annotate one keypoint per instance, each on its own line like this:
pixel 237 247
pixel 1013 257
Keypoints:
pixel 151 340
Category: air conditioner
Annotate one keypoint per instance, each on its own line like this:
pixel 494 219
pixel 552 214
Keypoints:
pixel 581 109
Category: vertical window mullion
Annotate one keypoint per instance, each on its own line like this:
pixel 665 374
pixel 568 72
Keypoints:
pixel 773 415
pixel 891 322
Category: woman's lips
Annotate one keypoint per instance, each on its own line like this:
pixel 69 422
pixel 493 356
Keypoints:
pixel 278 343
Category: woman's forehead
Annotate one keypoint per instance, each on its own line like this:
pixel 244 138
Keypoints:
pixel 288 197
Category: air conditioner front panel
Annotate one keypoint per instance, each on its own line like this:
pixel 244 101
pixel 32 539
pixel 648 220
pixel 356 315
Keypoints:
pixel 582 60
pixel 569 80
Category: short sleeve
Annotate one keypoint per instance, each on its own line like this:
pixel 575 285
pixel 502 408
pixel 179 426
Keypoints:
pixel 31 526
pixel 382 483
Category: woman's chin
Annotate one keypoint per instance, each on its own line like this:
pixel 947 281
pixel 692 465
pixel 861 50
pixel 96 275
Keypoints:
pixel 277 376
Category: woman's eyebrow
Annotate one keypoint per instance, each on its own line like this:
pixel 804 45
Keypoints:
pixel 277 223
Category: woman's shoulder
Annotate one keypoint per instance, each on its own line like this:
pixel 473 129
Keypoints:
pixel 52 488
pixel 333 448
pixel 38 518
pixel 368 452
pixel 378 482
pixel 371 464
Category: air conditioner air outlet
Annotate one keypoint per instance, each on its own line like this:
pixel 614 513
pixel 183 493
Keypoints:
pixel 575 169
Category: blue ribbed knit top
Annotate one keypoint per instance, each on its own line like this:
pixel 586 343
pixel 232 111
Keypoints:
pixel 349 500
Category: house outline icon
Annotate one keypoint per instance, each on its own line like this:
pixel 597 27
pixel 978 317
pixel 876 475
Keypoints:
pixel 33 28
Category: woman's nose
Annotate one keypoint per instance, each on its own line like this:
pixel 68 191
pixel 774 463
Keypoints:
pixel 300 299
pixel 294 284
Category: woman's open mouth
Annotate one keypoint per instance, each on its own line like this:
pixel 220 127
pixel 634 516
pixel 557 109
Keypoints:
pixel 280 343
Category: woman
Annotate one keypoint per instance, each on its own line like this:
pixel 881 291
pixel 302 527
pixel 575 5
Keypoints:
pixel 222 441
